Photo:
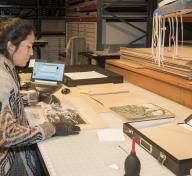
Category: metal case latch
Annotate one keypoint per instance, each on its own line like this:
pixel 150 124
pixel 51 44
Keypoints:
pixel 162 158
pixel 129 131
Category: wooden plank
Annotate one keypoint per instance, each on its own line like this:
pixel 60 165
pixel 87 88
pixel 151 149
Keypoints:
pixel 172 70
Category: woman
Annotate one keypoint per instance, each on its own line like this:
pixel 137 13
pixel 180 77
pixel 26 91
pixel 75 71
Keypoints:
pixel 17 156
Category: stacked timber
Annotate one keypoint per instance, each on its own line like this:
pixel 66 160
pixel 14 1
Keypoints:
pixel 180 66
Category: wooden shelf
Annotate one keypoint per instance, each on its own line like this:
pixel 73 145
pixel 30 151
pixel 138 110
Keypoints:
pixel 82 19
pixel 52 17
pixel 72 1
pixel 129 6
pixel 83 7
pixel 52 33
pixel 169 86
pixel 187 19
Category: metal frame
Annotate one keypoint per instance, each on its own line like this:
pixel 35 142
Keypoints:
pixel 36 19
pixel 152 4
pixel 99 45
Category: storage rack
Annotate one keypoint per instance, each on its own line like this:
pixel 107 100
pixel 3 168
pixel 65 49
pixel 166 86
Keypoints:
pixel 103 11
pixel 38 12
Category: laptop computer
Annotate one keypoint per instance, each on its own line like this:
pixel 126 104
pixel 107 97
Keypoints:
pixel 47 74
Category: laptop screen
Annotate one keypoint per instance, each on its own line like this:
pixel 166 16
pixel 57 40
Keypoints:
pixel 50 71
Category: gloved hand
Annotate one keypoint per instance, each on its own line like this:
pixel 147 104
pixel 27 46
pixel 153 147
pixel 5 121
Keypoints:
pixel 64 129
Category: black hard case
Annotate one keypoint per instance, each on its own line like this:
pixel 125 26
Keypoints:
pixel 111 77
pixel 178 167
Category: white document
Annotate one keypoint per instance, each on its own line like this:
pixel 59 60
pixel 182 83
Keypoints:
pixel 186 126
pixel 85 75
pixel 99 89
pixel 110 135
pixel 31 63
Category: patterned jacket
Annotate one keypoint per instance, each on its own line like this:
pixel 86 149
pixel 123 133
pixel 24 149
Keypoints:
pixel 17 157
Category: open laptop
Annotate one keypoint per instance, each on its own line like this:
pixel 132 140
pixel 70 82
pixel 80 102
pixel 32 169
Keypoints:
pixel 47 74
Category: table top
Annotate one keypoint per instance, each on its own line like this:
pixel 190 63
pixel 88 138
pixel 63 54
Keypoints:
pixel 86 154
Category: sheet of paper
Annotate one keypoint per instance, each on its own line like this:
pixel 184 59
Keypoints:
pixel 31 63
pixel 99 89
pixel 92 118
pixel 25 77
pixel 110 135
pixel 85 75
pixel 118 99
pixel 186 126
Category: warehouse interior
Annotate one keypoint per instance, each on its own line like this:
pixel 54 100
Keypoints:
pixel 123 71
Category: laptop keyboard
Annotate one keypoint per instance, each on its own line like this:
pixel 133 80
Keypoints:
pixel 45 82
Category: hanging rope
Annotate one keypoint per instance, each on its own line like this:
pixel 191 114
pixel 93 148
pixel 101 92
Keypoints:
pixel 159 33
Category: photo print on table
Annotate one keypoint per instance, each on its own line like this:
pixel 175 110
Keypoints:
pixel 57 113
pixel 140 112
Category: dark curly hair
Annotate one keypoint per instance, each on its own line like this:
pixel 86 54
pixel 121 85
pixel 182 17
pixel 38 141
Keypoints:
pixel 14 30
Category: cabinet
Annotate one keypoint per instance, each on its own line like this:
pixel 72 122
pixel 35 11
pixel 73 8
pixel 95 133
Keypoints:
pixel 83 29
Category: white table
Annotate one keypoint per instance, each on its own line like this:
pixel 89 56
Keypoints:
pixel 85 155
